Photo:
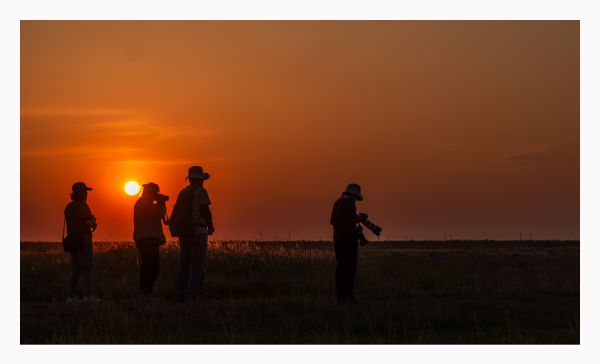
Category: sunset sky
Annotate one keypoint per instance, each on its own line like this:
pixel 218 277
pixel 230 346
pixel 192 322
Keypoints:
pixel 463 128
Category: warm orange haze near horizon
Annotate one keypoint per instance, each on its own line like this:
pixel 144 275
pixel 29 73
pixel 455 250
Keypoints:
pixel 462 128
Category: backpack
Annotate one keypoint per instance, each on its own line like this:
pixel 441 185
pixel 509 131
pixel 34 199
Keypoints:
pixel 180 222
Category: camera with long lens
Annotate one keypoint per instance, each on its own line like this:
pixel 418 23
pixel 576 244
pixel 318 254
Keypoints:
pixel 364 220
pixel 362 239
pixel 161 198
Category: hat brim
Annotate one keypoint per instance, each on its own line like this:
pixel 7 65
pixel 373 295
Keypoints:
pixel 202 176
pixel 80 186
pixel 358 197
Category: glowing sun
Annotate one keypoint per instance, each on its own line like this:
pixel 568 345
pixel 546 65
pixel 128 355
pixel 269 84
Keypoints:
pixel 132 188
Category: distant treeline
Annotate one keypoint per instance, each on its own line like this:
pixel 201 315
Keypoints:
pixel 41 247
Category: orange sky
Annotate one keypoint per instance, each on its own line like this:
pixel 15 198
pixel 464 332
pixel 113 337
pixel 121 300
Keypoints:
pixel 462 128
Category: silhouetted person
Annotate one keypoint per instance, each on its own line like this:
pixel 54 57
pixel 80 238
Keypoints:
pixel 148 214
pixel 80 225
pixel 191 221
pixel 345 238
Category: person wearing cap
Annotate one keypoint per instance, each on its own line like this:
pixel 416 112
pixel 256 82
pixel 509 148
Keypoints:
pixel 148 213
pixel 193 240
pixel 80 224
pixel 345 239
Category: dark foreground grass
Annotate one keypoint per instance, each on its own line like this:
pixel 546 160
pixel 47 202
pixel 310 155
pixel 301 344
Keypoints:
pixel 279 292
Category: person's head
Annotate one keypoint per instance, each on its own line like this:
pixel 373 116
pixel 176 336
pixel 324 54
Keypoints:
pixel 353 191
pixel 150 190
pixel 79 191
pixel 196 175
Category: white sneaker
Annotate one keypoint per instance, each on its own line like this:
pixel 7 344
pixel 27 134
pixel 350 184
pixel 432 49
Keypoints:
pixel 71 299
pixel 91 299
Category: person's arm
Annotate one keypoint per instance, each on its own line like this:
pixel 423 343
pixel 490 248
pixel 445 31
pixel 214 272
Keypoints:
pixel 196 203
pixel 162 209
pixel 157 210
pixel 68 213
pixel 352 216
pixel 201 213
pixel 90 220
pixel 205 211
pixel 332 213
pixel 68 217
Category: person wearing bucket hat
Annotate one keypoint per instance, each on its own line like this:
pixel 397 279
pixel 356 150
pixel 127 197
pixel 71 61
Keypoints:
pixel 345 238
pixel 148 214
pixel 191 221
pixel 80 224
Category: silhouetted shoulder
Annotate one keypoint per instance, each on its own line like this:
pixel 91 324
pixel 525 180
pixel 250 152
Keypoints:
pixel 201 196
pixel 78 209
pixel 199 193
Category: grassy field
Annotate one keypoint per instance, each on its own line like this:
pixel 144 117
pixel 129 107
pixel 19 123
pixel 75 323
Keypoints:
pixel 462 292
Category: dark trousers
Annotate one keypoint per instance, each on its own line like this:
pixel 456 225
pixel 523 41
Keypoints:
pixel 346 252
pixel 81 262
pixel 150 263
pixel 192 253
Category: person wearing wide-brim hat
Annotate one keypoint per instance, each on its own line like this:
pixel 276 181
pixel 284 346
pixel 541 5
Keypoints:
pixel 197 173
pixel 345 238
pixel 80 224
pixel 191 221
pixel 148 213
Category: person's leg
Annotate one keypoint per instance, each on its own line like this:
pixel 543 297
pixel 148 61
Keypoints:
pixel 339 278
pixel 184 265
pixel 352 265
pixel 143 248
pixel 198 257
pixel 154 264
pixel 345 269
pixel 140 248
pixel 87 261
pixel 74 274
